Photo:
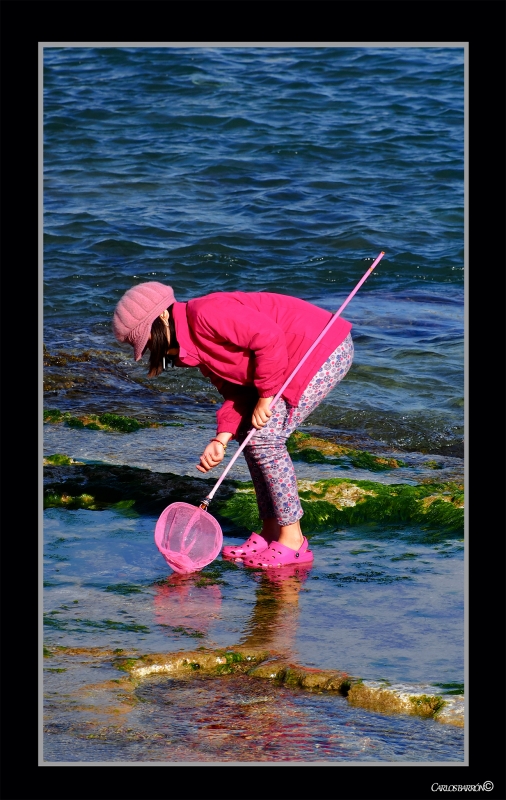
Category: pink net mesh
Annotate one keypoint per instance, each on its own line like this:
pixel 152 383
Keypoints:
pixel 187 537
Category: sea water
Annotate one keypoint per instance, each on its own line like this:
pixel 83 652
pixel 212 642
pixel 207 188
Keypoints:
pixel 277 169
pixel 284 170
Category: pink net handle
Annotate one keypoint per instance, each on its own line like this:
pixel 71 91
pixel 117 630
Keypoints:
pixel 288 380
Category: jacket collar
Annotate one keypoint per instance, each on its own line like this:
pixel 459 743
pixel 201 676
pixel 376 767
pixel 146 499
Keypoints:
pixel 188 354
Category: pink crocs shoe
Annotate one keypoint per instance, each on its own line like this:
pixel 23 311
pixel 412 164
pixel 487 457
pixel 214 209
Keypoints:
pixel 253 546
pixel 278 555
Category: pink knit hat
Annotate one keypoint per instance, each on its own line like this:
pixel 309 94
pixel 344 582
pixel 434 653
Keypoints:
pixel 136 312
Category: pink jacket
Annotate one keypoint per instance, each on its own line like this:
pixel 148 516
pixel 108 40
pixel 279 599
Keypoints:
pixel 248 343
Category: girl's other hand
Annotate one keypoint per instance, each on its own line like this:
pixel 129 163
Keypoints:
pixel 211 457
pixel 262 414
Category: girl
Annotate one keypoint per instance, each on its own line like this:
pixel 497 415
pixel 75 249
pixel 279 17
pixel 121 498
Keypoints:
pixel 247 344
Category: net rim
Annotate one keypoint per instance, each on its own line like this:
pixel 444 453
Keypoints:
pixel 178 561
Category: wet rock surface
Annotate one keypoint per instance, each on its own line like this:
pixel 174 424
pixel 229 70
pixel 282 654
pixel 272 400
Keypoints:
pixel 325 502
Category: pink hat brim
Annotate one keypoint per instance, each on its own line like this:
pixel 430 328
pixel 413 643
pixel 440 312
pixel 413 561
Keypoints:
pixel 141 341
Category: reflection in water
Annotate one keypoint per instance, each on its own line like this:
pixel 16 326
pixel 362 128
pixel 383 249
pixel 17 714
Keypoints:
pixel 242 720
pixel 238 718
pixel 273 623
pixel 181 601
pixel 188 602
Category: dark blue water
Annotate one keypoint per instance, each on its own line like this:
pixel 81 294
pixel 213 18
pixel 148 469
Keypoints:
pixel 276 169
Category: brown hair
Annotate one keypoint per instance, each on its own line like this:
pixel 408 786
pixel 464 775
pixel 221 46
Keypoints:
pixel 158 346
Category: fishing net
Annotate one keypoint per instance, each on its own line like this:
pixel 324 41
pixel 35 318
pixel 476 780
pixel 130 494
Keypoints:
pixel 187 537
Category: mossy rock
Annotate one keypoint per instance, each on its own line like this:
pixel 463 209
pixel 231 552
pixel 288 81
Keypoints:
pixel 71 502
pixel 59 459
pixel 52 415
pixel 214 662
pixel 100 422
pixel 312 450
pixel 63 358
pixel 427 705
pixel 391 701
pixel 126 489
pixel 327 504
pixel 337 503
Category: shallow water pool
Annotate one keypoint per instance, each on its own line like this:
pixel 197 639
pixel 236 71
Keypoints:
pixel 242 720
pixel 382 605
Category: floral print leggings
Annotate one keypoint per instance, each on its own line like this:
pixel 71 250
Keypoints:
pixel 267 457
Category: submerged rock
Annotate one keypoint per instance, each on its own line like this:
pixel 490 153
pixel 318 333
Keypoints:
pixel 180 664
pixel 424 701
pixel 302 677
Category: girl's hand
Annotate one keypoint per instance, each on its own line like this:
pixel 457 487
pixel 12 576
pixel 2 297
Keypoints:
pixel 261 414
pixel 212 456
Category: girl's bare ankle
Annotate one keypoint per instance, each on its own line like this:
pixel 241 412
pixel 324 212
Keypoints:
pixel 270 531
pixel 293 542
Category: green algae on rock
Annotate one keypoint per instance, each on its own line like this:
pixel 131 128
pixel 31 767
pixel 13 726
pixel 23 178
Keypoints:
pixel 183 663
pixel 337 502
pixel 312 450
pixel 63 358
pixel 82 625
pixel 123 589
pixel 72 502
pixel 100 422
pixel 331 503
pixel 59 459
pixel 386 699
